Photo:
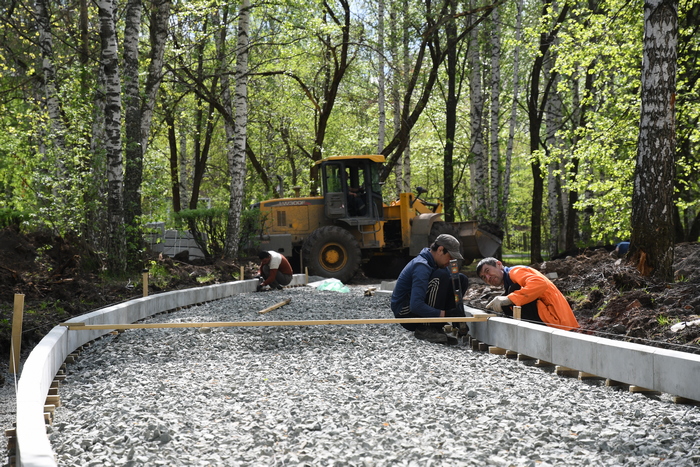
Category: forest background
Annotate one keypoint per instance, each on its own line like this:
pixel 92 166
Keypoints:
pixel 526 115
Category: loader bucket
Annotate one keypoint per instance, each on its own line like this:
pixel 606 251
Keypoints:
pixel 476 243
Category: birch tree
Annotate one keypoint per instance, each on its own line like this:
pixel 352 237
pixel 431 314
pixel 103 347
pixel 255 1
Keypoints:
pixel 477 154
pixel 651 245
pixel 381 82
pixel 109 61
pixel 237 153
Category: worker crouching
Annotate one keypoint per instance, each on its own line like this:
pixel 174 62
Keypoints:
pixel 540 300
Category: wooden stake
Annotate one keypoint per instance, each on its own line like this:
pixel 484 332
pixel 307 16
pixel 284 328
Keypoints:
pixel 145 283
pixel 242 276
pixel 84 327
pixel 516 311
pixel 273 307
pixel 16 340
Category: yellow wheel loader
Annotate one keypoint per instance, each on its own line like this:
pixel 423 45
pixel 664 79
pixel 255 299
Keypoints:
pixel 351 226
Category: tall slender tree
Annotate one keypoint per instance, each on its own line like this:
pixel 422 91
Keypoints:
pixel 652 200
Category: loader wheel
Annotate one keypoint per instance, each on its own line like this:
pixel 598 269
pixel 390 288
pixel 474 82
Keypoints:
pixel 332 251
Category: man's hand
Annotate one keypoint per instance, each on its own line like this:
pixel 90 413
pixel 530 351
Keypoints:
pixel 498 303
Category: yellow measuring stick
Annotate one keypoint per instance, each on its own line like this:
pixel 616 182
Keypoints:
pixel 216 324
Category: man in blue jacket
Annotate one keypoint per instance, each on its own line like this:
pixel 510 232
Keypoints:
pixel 424 289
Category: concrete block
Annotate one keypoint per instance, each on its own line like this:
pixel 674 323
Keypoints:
pixel 626 362
pixel 677 373
pixel 535 340
pixel 575 351
pixel 503 333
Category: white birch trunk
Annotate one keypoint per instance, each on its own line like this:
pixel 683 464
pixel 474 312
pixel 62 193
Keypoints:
pixel 159 36
pixel 381 98
pixel 407 63
pixel 396 90
pixel 116 246
pixel 503 206
pixel 652 199
pixel 51 100
pixel 496 189
pixel 236 155
pixel 479 175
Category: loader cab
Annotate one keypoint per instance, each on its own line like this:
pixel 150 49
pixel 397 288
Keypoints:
pixel 351 188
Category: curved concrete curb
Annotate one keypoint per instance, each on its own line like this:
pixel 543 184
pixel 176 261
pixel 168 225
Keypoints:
pixel 669 371
pixel 43 363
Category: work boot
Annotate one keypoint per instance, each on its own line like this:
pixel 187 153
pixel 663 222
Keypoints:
pixel 431 334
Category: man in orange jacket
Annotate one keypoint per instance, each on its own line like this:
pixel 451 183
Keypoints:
pixel 540 299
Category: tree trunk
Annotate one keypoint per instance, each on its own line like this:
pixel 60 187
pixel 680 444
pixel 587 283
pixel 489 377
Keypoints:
pixel 651 245
pixel 479 168
pixel 116 242
pixel 450 122
pixel 133 163
pixel 503 204
pixel 496 189
pixel 534 110
pixel 236 159
pixel 554 122
pixel 381 97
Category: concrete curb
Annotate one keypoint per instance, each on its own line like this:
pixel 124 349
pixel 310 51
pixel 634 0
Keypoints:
pixel 46 359
pixel 655 369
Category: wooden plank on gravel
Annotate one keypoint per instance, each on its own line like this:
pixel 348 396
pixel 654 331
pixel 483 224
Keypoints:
pixel 275 306
pixel 86 327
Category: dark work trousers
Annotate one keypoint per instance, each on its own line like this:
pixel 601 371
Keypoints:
pixel 281 278
pixel 441 295
pixel 528 312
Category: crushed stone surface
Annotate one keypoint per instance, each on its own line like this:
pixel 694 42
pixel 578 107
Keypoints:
pixel 353 395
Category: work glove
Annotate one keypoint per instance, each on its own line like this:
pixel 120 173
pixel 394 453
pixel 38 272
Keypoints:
pixel 259 287
pixel 498 303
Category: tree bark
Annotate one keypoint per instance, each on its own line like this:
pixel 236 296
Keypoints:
pixel 496 189
pixel 116 242
pixel 479 166
pixel 651 245
pixel 236 158
pixel 535 110
pixel 381 85
pixel 133 162
pixel 450 121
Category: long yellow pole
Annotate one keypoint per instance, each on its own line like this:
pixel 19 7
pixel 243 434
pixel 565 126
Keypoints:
pixel 215 324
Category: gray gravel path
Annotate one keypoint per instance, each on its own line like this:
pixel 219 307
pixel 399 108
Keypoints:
pixel 365 395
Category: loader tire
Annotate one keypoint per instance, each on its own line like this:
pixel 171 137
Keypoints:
pixel 332 251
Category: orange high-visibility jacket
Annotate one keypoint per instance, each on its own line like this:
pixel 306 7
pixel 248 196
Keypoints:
pixel 552 306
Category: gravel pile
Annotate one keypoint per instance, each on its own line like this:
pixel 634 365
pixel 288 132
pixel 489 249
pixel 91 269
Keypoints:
pixel 368 395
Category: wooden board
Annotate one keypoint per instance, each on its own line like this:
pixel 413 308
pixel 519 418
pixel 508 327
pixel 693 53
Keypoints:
pixel 215 324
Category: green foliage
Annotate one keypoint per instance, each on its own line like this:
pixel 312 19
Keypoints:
pixel 11 218
pixel 252 221
pixel 158 274
pixel 211 222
